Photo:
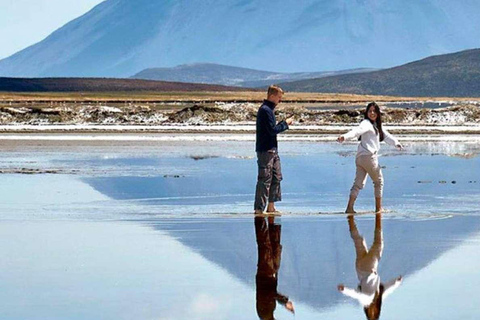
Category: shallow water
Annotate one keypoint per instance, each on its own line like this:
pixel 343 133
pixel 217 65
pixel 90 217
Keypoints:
pixel 403 105
pixel 206 178
pixel 165 231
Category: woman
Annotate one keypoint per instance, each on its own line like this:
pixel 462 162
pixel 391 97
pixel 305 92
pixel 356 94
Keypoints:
pixel 370 133
pixel 370 292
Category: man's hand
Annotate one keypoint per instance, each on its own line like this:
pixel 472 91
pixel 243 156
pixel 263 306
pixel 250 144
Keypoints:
pixel 399 146
pixel 289 306
pixel 340 287
pixel 341 139
pixel 289 121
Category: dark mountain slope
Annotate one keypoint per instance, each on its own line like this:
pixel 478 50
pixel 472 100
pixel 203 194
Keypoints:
pixel 101 85
pixel 449 75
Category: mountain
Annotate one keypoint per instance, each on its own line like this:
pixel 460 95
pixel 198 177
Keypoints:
pixel 118 38
pixel 101 85
pixel 449 75
pixel 229 75
pixel 318 255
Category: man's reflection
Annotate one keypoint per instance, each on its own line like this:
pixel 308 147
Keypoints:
pixel 269 255
pixel 370 291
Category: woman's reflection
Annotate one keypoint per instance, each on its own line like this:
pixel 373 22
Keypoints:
pixel 269 255
pixel 370 291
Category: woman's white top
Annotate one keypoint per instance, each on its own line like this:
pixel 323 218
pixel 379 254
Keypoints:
pixel 370 141
pixel 365 297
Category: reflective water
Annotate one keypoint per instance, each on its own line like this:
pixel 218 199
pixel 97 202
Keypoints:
pixel 165 231
pixel 312 256
pixel 403 105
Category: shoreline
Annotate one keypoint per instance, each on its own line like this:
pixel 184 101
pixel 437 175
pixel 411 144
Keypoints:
pixel 296 132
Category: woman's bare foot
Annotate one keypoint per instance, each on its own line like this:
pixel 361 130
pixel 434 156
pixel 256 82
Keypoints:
pixel 350 204
pixel 378 205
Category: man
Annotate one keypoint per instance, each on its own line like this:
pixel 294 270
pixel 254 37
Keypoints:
pixel 269 170
pixel 268 263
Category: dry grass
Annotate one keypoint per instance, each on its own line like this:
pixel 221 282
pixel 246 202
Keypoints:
pixel 247 96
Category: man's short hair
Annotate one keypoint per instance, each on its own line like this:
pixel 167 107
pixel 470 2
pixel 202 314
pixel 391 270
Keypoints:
pixel 274 90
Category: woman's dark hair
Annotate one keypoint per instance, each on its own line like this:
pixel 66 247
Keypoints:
pixel 373 310
pixel 378 121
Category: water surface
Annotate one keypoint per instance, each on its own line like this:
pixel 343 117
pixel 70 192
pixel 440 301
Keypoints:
pixel 165 231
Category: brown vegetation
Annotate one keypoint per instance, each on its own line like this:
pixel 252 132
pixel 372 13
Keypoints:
pixel 201 97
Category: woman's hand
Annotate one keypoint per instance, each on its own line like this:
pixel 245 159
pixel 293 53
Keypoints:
pixel 341 287
pixel 341 139
pixel 399 146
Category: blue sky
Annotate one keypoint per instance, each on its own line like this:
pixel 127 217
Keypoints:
pixel 26 22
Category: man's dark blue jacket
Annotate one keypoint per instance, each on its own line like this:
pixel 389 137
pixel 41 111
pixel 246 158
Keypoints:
pixel 267 128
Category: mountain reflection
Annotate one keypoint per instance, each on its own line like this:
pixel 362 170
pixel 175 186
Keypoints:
pixel 318 253
pixel 268 234
pixel 370 292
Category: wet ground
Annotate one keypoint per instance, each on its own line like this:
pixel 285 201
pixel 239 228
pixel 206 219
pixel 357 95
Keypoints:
pixel 164 230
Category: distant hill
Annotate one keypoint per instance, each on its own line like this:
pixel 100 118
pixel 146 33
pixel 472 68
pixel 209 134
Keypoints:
pixel 118 38
pixel 448 75
pixel 228 75
pixel 101 85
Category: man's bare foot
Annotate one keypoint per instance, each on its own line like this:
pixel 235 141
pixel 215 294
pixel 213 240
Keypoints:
pixel 350 210
pixel 271 207
pixel 274 213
